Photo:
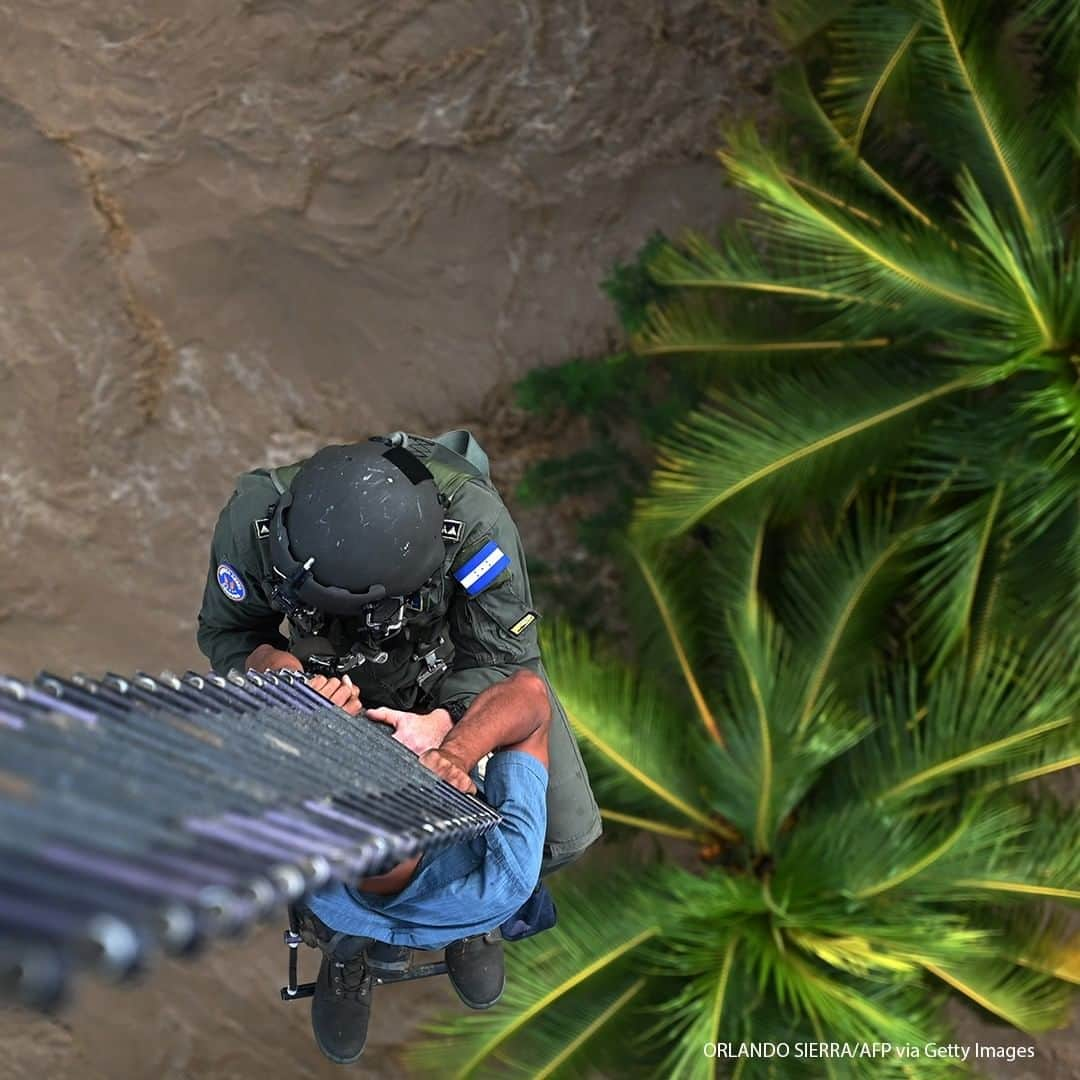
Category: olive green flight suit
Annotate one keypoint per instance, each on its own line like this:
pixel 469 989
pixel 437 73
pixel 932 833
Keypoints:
pixel 453 648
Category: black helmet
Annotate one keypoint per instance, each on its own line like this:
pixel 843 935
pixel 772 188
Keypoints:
pixel 359 524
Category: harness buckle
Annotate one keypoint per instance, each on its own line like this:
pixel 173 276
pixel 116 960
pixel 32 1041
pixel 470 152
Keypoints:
pixel 436 665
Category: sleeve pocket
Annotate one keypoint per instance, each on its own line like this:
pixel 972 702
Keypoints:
pixel 509 622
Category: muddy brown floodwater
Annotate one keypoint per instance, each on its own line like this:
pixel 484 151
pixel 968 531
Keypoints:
pixel 233 230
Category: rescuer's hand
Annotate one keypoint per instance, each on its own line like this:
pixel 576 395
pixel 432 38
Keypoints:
pixel 267 658
pixel 449 768
pixel 417 731
pixel 340 691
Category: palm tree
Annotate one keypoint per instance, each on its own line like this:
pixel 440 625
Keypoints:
pixel 845 840
pixel 855 585
pixel 907 293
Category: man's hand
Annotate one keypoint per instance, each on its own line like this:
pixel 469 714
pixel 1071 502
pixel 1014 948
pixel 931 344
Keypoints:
pixel 449 768
pixel 267 658
pixel 417 731
pixel 341 692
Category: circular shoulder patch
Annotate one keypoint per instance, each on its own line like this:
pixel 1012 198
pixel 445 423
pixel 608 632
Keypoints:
pixel 230 582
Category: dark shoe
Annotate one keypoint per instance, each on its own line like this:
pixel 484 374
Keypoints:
pixel 385 960
pixel 475 967
pixel 341 1007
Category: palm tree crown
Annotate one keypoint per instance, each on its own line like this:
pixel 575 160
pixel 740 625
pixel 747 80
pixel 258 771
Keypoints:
pixel 908 291
pixel 855 583
pixel 845 840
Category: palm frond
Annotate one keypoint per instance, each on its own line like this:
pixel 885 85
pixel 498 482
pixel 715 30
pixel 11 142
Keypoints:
pixel 966 840
pixel 734 576
pixel 784 436
pixel 564 988
pixel 653 825
pixel 573 1045
pixel 726 929
pixel 1054 407
pixel 700 949
pixel 851 1013
pixel 959 552
pixel 1056 753
pixel 1025 270
pixel 813 120
pixel 834 596
pixel 893 866
pixel 971 717
pixel 800 20
pixel 690 325
pixel 871 48
pixel 1029 1000
pixel 732 262
pixel 958 55
pixel 1055 25
pixel 739 262
pixel 1046 865
pixel 694 1017
pixel 773 752
pixel 657 573
pixel 1048 944
pixel 997 559
pixel 650 766
pixel 856 257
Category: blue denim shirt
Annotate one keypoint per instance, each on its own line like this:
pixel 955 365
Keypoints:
pixel 467 888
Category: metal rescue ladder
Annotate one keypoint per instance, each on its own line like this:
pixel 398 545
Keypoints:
pixel 141 816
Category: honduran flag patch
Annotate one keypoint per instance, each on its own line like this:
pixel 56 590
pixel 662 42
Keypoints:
pixel 483 568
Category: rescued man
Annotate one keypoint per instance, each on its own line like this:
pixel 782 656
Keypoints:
pixel 402 578
pixel 435 901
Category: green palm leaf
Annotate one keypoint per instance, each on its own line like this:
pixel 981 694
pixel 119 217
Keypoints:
pixel 1023 265
pixel 689 326
pixel 955 574
pixel 835 594
pixel 694 1017
pixel 872 48
pixel 854 256
pixel 1029 1000
pixel 774 749
pixel 658 575
pixel 647 768
pixel 985 852
pixel 1045 865
pixel 997 558
pixel 800 20
pixel 813 119
pixel 787 435
pixel 1055 25
pixel 564 988
pixel 973 717
pixel 958 54
pixel 734 263
pixel 734 576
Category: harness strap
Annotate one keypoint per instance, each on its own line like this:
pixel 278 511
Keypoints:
pixel 281 478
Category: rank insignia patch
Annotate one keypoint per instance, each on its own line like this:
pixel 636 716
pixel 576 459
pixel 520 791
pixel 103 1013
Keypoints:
pixel 483 568
pixel 452 530
pixel 230 582
pixel 523 623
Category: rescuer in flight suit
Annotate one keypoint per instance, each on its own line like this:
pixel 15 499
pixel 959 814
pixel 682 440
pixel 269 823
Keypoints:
pixel 403 581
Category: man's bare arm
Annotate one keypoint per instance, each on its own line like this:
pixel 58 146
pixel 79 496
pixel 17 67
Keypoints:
pixel 514 714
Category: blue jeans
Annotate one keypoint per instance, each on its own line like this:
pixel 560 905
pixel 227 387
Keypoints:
pixel 467 888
